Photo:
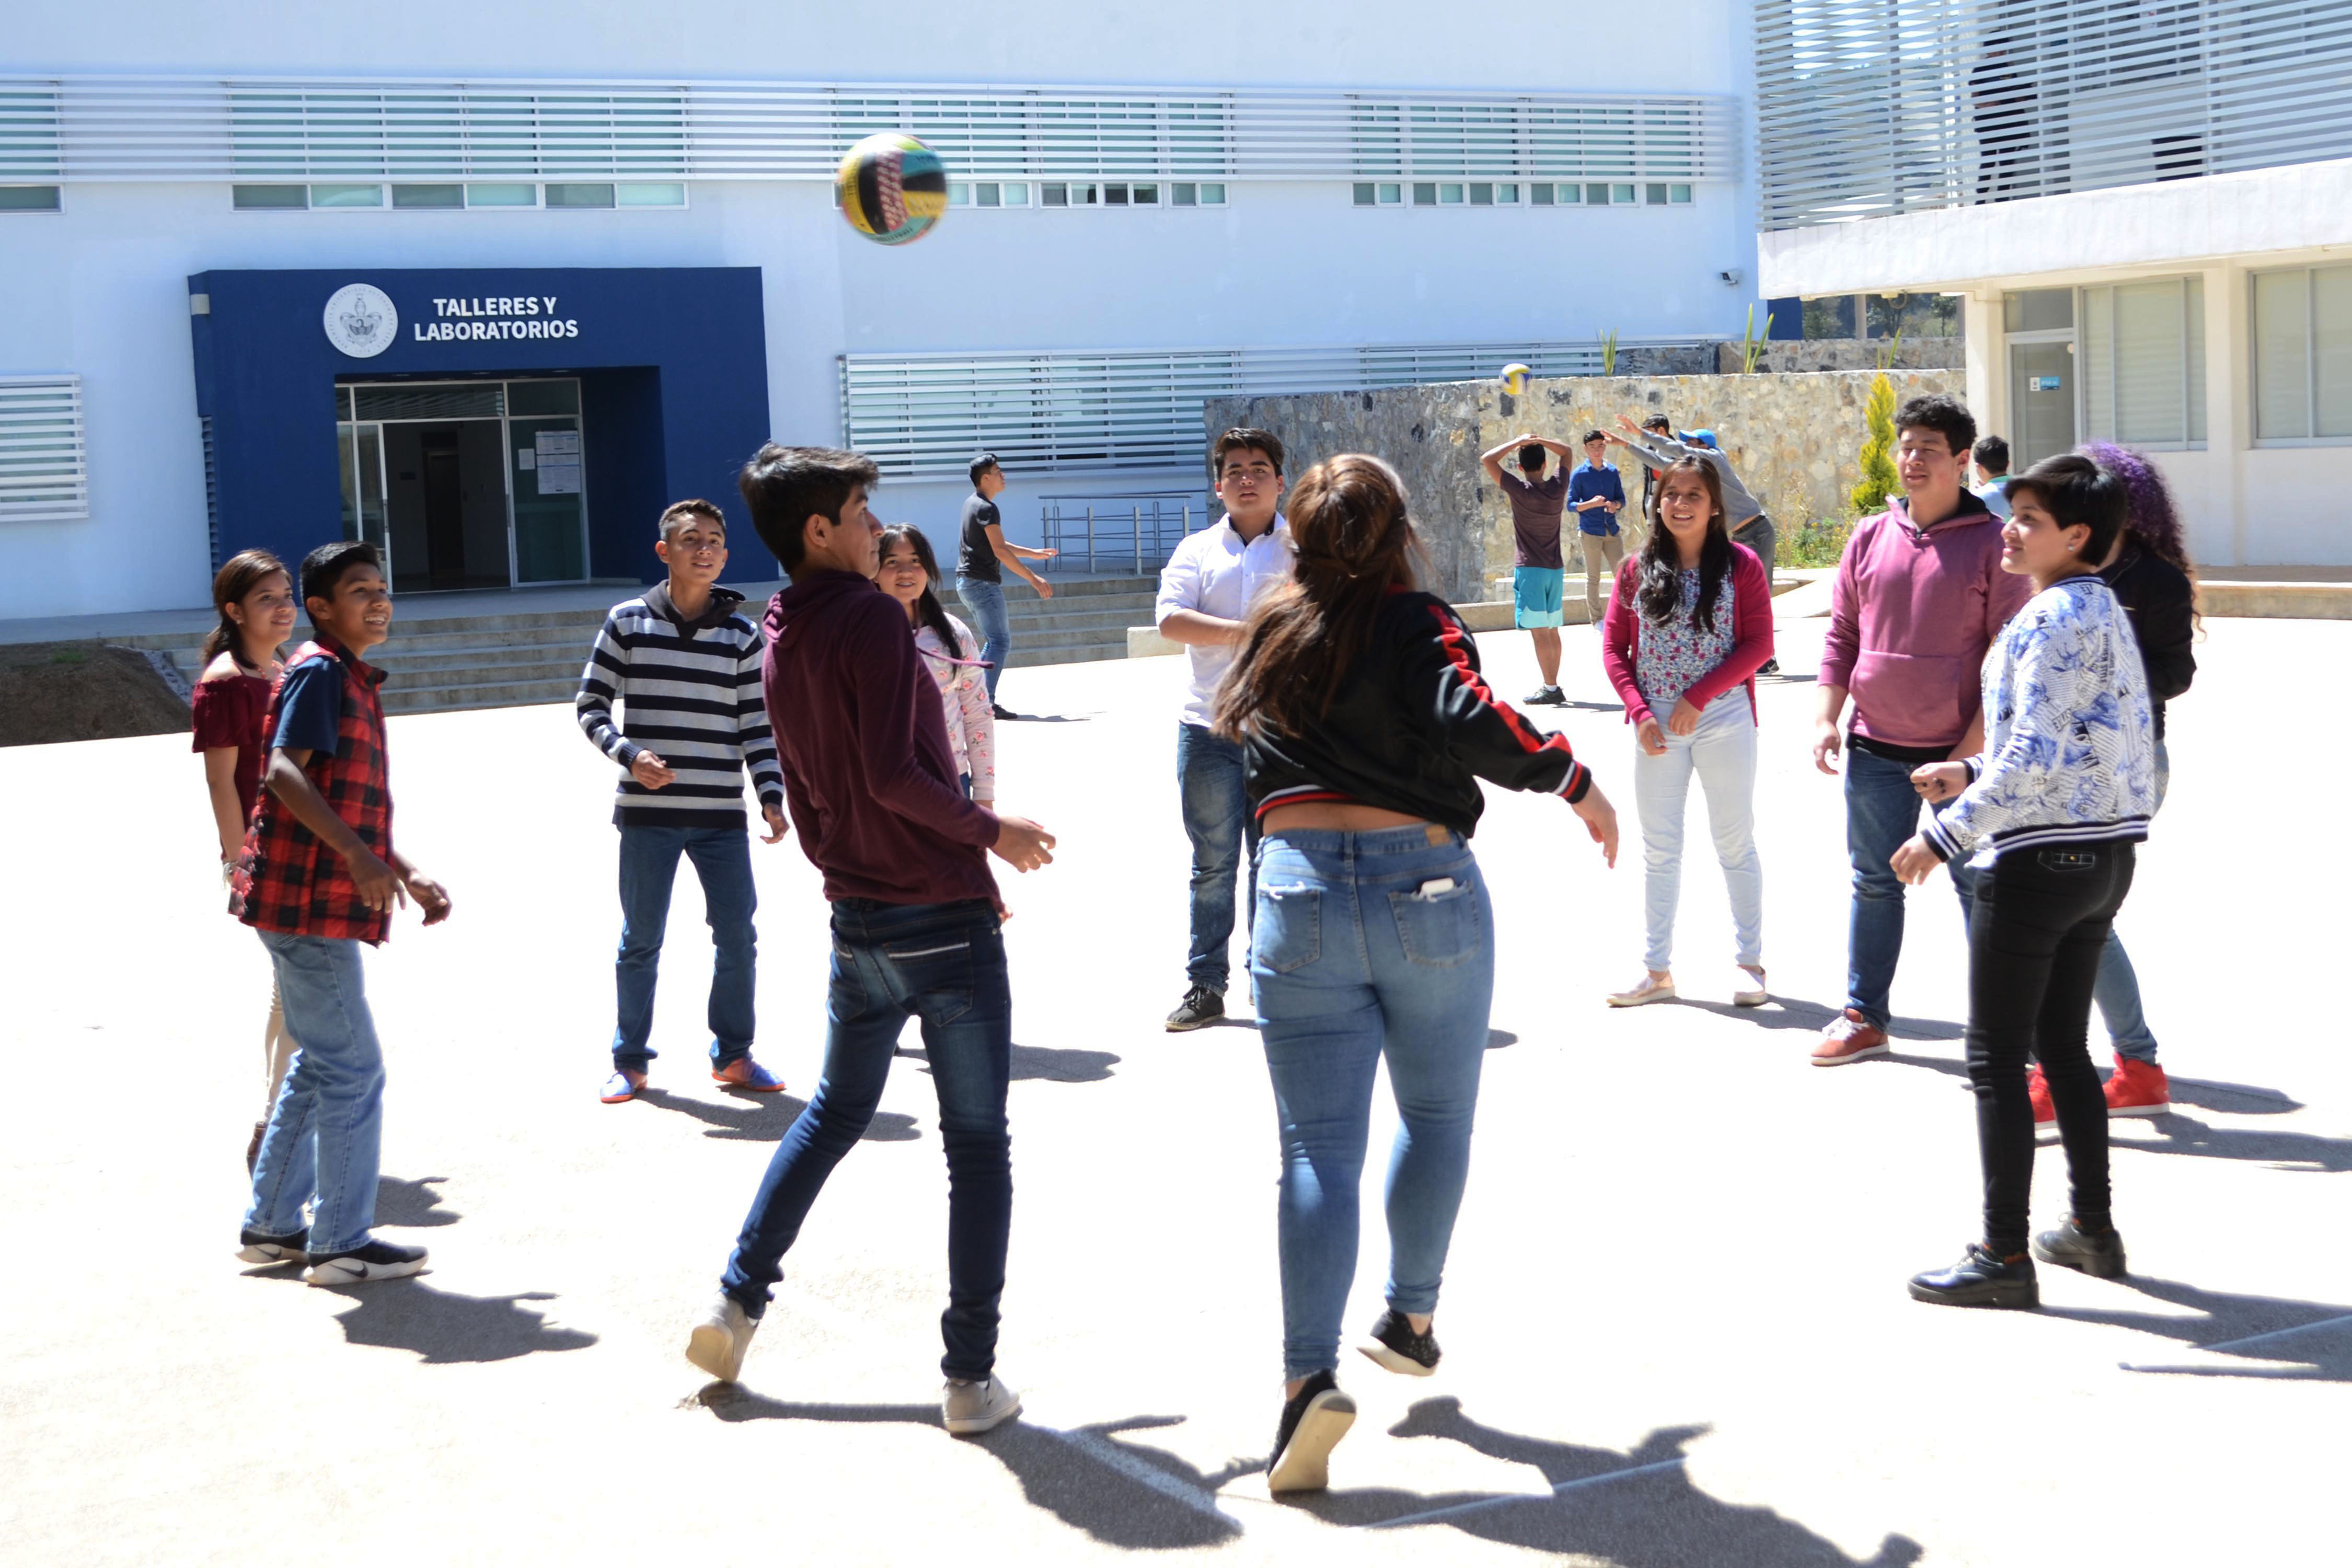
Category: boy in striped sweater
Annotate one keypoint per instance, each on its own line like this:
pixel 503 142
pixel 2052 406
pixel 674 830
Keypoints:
pixel 684 664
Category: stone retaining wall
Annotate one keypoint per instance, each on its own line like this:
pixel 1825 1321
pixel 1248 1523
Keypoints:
pixel 1794 439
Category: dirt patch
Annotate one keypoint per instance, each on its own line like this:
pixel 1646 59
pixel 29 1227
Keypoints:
pixel 53 691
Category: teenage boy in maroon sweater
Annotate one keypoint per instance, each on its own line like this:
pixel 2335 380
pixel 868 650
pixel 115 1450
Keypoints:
pixel 875 794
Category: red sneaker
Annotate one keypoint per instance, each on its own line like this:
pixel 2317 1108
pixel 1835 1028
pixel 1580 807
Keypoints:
pixel 2138 1088
pixel 1849 1039
pixel 2037 1088
pixel 745 1073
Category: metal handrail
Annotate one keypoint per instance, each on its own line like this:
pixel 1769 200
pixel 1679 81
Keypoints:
pixel 1141 532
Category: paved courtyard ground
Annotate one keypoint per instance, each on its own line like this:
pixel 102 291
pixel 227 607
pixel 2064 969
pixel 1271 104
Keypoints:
pixel 1674 1320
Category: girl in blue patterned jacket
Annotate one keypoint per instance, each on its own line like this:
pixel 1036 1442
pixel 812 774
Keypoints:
pixel 2048 816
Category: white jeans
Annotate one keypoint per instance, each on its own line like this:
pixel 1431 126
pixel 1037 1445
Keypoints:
pixel 1722 751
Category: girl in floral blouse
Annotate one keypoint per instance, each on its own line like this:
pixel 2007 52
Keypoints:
pixel 910 575
pixel 1688 625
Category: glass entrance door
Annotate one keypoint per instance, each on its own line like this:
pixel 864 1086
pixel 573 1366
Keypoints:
pixel 2040 401
pixel 474 484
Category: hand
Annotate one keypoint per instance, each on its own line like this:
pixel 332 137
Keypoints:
pixel 1047 554
pixel 1826 741
pixel 1651 738
pixel 1614 439
pixel 1939 782
pixel 775 834
pixel 1600 820
pixel 1045 589
pixel 430 897
pixel 1022 843
pixel 378 884
pixel 1684 719
pixel 651 770
pixel 1915 860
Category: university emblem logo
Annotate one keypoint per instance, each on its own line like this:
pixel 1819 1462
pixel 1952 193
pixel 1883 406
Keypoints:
pixel 360 319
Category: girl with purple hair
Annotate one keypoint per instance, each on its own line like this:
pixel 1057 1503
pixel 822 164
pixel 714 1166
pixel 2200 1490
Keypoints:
pixel 2151 575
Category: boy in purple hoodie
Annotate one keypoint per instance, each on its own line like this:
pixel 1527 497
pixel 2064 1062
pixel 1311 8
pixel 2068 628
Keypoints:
pixel 1919 597
pixel 875 794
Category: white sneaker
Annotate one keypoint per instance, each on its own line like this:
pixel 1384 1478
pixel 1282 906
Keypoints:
pixel 719 1341
pixel 1646 990
pixel 1747 988
pixel 970 1408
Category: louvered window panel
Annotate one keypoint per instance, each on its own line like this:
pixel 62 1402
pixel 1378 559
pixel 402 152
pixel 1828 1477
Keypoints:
pixel 44 473
pixel 924 416
pixel 1868 109
pixel 259 130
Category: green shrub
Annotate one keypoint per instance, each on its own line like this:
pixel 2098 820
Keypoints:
pixel 1816 543
pixel 1878 479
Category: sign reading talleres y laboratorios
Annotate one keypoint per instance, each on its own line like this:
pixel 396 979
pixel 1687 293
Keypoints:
pixel 495 316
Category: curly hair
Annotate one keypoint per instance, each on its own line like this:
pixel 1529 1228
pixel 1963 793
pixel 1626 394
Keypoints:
pixel 2150 515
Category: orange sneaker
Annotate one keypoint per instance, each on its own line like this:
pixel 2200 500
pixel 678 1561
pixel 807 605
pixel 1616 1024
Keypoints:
pixel 2138 1088
pixel 745 1073
pixel 1849 1039
pixel 2037 1088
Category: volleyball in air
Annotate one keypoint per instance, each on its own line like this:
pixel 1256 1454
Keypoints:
pixel 892 188
pixel 1515 378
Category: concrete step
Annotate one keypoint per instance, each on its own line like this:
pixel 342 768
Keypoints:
pixel 1025 659
pixel 442 697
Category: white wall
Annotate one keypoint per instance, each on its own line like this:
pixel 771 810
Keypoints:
pixel 99 289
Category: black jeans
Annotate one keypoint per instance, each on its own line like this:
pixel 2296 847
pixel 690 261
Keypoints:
pixel 2039 924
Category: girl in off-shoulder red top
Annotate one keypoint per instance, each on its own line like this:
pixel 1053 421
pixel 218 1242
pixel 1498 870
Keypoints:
pixel 255 596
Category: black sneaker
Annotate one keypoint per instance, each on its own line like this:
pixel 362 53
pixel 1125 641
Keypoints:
pixel 375 1261
pixel 1769 666
pixel 1546 697
pixel 1979 1278
pixel 252 1246
pixel 1312 1426
pixel 1200 1005
pixel 1396 1347
pixel 2099 1255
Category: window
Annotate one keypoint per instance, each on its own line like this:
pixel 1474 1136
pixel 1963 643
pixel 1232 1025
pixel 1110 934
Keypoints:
pixel 28 198
pixel 1654 195
pixel 269 198
pixel 347 196
pixel 407 197
pixel 2141 361
pixel 988 193
pixel 2302 355
pixel 1540 194
pixel 1016 193
pixel 1449 195
pixel 661 194
pixel 1147 195
pixel 1482 194
pixel 1506 196
pixel 1621 195
pixel 1379 193
pixel 502 196
pixel 580 195
pixel 1596 195
pixel 1678 195
pixel 1424 194
pixel 1114 195
pixel 43 474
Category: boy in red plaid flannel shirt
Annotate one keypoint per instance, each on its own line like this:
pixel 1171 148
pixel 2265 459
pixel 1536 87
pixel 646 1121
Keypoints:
pixel 319 876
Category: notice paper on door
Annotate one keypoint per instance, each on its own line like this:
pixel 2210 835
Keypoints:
pixel 555 463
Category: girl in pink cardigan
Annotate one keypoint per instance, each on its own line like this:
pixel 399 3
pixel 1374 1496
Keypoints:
pixel 1688 625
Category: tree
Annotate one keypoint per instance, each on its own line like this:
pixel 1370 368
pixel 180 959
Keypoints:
pixel 1878 481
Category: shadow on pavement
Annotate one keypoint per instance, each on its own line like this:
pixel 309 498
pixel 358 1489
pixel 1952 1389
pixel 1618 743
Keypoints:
pixel 445 1328
pixel 1051 1063
pixel 1121 1494
pixel 1599 1507
pixel 1796 1013
pixel 1497 1039
pixel 2232 1098
pixel 2313 1339
pixel 2280 1150
pixel 405 1203
pixel 766 1118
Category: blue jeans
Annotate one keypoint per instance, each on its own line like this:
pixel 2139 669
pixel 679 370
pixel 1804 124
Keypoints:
pixel 986 603
pixel 722 859
pixel 1882 810
pixel 1217 820
pixel 326 1131
pixel 1722 752
pixel 2118 993
pixel 942 965
pixel 1362 951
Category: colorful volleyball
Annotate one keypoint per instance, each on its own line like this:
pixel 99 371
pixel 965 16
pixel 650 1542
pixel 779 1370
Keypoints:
pixel 892 188
pixel 1515 378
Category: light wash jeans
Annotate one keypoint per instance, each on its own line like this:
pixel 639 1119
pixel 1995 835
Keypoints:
pixel 1369 945
pixel 986 603
pixel 326 1132
pixel 1217 820
pixel 1722 752
pixel 2118 993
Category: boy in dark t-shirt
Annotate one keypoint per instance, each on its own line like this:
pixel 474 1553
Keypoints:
pixel 1538 499
pixel 979 575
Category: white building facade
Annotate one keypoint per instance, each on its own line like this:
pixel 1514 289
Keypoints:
pixel 1147 212
pixel 2147 207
